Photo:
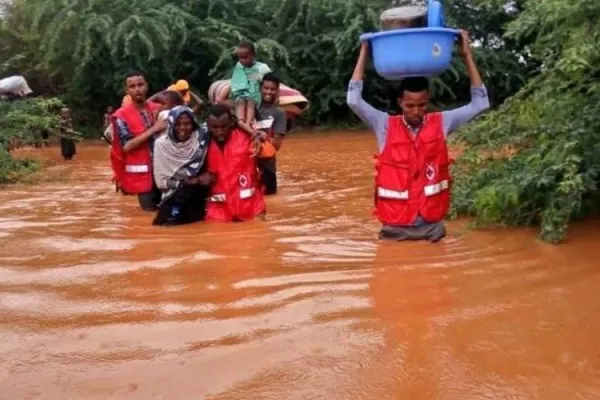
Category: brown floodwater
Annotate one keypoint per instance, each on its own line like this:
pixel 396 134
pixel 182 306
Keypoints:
pixel 95 303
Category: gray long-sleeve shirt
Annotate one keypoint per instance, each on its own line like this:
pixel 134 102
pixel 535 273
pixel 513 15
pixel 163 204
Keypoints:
pixel 378 120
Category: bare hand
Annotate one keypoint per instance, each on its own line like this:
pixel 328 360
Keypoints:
pixel 255 147
pixel 259 135
pixel 277 142
pixel 206 179
pixel 159 127
pixel 359 69
pixel 463 43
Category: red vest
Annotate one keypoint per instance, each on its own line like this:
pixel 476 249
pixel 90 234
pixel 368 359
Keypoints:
pixel 412 173
pixel 236 193
pixel 133 170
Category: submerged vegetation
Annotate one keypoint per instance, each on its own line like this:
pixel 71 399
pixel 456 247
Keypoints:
pixel 539 59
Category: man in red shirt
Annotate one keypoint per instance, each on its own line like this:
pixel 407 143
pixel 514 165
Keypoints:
pixel 235 196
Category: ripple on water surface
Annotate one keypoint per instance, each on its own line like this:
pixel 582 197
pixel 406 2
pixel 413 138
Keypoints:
pixel 95 302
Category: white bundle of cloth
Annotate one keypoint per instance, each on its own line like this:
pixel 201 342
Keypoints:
pixel 16 85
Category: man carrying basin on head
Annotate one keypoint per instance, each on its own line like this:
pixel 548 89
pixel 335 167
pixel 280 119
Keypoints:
pixel 412 193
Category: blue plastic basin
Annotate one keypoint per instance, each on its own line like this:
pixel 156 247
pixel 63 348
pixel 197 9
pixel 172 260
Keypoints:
pixel 402 53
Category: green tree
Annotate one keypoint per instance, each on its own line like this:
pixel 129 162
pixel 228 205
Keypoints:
pixel 23 122
pixel 551 127
pixel 82 48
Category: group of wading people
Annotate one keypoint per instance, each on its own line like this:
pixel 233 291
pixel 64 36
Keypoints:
pixel 186 171
pixel 220 170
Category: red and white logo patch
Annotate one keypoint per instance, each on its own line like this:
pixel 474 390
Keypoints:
pixel 430 172
pixel 243 181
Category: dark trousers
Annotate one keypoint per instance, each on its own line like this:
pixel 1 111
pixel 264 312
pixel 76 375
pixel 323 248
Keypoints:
pixel 268 175
pixel 187 205
pixel 433 232
pixel 149 200
pixel 67 147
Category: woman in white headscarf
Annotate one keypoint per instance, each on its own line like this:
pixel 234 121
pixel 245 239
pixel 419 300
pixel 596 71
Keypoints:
pixel 179 171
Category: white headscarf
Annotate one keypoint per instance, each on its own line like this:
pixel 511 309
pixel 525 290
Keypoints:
pixel 175 161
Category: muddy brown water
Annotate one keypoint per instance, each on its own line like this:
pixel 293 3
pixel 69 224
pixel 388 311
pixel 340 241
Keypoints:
pixel 95 303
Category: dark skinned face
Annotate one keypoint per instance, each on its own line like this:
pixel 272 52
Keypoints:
pixel 166 102
pixel 414 106
pixel 220 127
pixel 269 91
pixel 245 57
pixel 184 126
pixel 137 88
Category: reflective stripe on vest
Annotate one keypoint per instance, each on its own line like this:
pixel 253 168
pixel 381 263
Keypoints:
pixel 220 198
pixel 217 198
pixel 392 194
pixel 246 193
pixel 137 169
pixel 431 190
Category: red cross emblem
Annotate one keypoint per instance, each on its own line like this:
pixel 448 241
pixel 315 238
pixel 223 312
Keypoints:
pixel 243 181
pixel 430 172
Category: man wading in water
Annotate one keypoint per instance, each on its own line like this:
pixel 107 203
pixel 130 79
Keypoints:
pixel 235 195
pixel 67 135
pixel 133 141
pixel 272 121
pixel 412 193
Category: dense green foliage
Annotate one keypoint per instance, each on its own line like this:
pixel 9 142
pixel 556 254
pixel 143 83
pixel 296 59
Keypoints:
pixel 81 49
pixel 12 170
pixel 23 122
pixel 551 127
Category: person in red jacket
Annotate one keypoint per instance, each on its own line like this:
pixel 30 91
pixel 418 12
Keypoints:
pixel 235 195
pixel 412 193
pixel 135 127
